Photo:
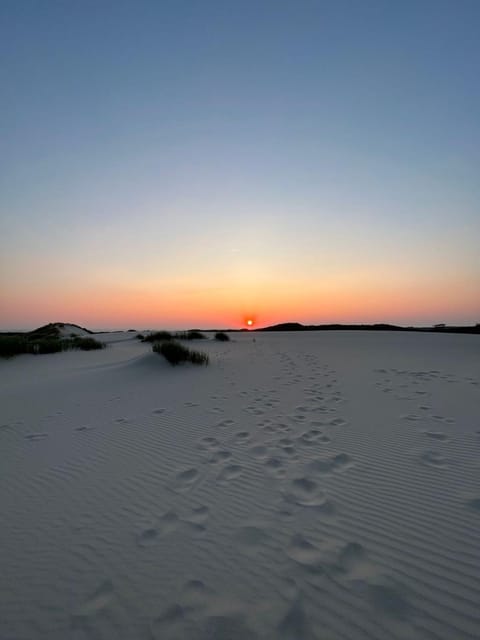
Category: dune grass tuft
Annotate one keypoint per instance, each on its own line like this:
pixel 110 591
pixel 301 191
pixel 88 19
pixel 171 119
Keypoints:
pixel 222 336
pixel 158 336
pixel 16 344
pixel 86 344
pixel 176 353
pixel 193 334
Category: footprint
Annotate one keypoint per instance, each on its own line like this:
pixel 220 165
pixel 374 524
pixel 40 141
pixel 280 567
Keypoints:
pixel 198 515
pixel 275 466
pixel 338 422
pixel 433 459
pixel 242 436
pixel 220 456
pixel 159 411
pixel 173 624
pixel 229 472
pixel 259 452
pixel 225 423
pixel 185 479
pixel 96 602
pixel 310 437
pixel 36 436
pixel 167 523
pixel 85 428
pixel 436 435
pixel 208 443
pixel 339 462
pixel 148 537
pixel 195 595
pixel 412 417
pixel 307 493
pixel 304 552
pixel 295 623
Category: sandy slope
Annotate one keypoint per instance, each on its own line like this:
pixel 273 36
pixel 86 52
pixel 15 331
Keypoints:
pixel 306 485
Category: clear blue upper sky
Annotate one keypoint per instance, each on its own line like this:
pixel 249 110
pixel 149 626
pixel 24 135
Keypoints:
pixel 243 144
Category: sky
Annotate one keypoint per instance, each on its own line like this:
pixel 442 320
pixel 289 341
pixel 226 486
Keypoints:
pixel 177 164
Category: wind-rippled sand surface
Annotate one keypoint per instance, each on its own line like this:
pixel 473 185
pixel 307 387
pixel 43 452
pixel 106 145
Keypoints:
pixel 304 485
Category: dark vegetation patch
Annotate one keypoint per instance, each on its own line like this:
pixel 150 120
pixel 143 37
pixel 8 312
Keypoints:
pixel 193 334
pixel 176 353
pixel 158 336
pixel 44 342
pixel 222 336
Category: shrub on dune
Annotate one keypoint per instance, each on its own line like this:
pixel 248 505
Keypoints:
pixel 176 353
pixel 193 334
pixel 158 336
pixel 87 344
pixel 222 336
pixel 12 346
pixel 48 345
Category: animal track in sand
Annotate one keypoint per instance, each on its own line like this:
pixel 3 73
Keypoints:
pixel 147 537
pixel 36 436
pixel 173 624
pixel 242 437
pixel 295 623
pixel 337 463
pixel 307 493
pixel 96 602
pixel 225 423
pixel 259 452
pixel 85 427
pixel 159 411
pixel 195 520
pixel 220 456
pixel 275 466
pixel 208 443
pixel 185 479
pixel 310 437
pixel 433 459
pixel 338 422
pixel 229 472
pixel 165 524
pixel 436 435
pixel 304 552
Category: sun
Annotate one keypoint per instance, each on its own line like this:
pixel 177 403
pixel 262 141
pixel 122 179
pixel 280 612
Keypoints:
pixel 249 322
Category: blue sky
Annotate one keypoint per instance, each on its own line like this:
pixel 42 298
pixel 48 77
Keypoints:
pixel 223 150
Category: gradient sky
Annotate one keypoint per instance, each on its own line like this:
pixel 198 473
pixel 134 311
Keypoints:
pixel 178 164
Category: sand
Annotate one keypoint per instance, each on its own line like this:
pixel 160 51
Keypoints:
pixel 303 486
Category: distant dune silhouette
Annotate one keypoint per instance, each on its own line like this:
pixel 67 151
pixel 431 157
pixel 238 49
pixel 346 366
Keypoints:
pixel 438 328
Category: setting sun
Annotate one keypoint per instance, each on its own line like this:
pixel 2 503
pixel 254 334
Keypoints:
pixel 250 323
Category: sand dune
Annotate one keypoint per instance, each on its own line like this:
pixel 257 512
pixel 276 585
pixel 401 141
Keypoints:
pixel 303 486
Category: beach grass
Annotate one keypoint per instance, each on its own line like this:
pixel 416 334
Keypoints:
pixel 38 344
pixel 176 353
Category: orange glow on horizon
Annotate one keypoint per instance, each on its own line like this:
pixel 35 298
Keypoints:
pixel 99 303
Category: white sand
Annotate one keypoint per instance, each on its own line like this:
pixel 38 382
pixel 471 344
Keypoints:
pixel 305 485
